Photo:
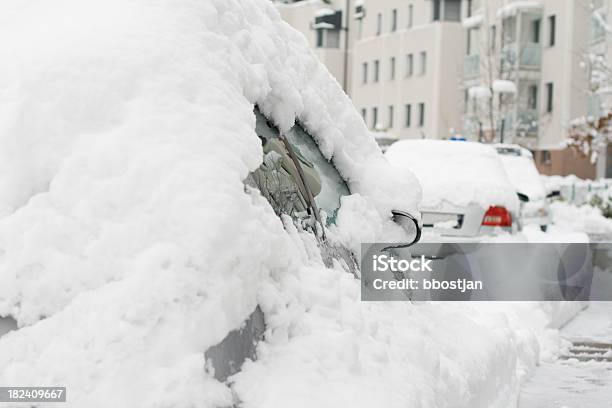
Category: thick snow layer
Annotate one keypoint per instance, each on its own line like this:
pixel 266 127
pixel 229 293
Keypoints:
pixel 459 172
pixel 472 22
pixel 594 324
pixel 524 176
pixel 325 12
pixel 585 218
pixel 479 92
pixel 128 244
pixel 504 86
pixel 513 7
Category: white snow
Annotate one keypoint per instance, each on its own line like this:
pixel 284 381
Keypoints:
pixel 504 86
pixel 128 244
pixel 324 12
pixel 595 324
pixel 323 26
pixel 459 172
pixel 573 383
pixel 479 92
pixel 524 175
pixel 473 21
pixel 584 218
pixel 513 7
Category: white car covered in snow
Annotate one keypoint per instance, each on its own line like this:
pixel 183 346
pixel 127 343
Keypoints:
pixel 466 192
pixel 525 177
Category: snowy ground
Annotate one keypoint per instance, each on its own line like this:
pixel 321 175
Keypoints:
pixel 572 383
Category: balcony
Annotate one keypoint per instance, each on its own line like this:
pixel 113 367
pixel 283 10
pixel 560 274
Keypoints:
pixel 471 66
pixel 525 56
pixel 527 122
pixel 531 55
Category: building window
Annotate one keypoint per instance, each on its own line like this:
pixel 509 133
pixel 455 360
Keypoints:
pixel 437 10
pixel 376 70
pixel 452 10
pixel 408 110
pixel 394 20
pixel 492 38
pixel 535 30
pixel 327 38
pixel 508 30
pixel 364 72
pixel 421 114
pixel 552 30
pixel 392 68
pixel 319 37
pixel 549 97
pixel 532 97
pixel 378 24
pixel 364 115
pixel 410 15
pixel 374 118
pixel 423 62
pixel 446 10
pixel 473 43
pixel 391 112
pixel 359 28
pixel 546 156
pixel 409 65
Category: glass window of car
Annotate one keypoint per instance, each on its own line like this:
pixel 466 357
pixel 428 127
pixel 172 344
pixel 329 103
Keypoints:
pixel 333 186
pixel 280 181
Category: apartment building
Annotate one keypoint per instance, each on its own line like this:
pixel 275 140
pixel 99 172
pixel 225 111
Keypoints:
pixel 408 65
pixel 489 70
pixel 327 27
pixel 524 79
pixel 403 59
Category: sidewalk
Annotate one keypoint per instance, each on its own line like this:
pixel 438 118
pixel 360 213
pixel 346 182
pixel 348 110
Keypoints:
pixel 576 380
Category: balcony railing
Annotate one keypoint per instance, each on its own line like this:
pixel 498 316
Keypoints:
pixel 471 66
pixel 527 122
pixel 528 55
pixel 531 55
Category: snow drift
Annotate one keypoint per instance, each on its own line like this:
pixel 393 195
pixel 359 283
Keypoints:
pixel 128 245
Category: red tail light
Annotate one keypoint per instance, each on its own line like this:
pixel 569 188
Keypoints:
pixel 497 217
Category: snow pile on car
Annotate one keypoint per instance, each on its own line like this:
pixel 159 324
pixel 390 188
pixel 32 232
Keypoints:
pixel 461 173
pixel 129 246
pixel 524 175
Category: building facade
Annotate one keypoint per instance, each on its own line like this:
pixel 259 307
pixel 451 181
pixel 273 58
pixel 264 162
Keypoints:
pixel 524 79
pixel 327 28
pixel 491 70
pixel 407 68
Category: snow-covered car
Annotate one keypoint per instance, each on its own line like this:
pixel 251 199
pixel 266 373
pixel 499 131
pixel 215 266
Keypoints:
pixel 525 177
pixel 466 192
pixel 176 178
